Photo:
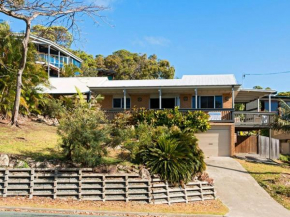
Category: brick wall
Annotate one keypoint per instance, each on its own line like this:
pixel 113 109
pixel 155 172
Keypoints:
pixel 107 103
pixel 227 100
pixel 183 103
pixel 144 103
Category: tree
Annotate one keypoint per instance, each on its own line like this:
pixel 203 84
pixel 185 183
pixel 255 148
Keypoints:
pixel 282 121
pixel 34 74
pixel 258 87
pixel 63 11
pixel 127 65
pixel 284 93
pixel 57 34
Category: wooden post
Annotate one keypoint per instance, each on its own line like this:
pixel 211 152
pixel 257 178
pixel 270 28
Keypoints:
pixel 127 188
pixel 6 177
pixel 233 97
pixel 185 194
pixel 168 193
pixel 32 172
pixel 104 188
pixel 80 184
pixel 55 184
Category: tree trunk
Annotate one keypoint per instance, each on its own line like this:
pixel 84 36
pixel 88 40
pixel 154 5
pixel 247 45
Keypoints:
pixel 25 42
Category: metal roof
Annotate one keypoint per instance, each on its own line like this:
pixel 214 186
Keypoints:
pixel 68 85
pixel 185 81
pixel 55 45
pixel 248 95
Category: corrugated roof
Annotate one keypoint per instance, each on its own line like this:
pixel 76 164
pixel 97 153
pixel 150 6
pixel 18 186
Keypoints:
pixel 64 86
pixel 187 80
pixel 227 79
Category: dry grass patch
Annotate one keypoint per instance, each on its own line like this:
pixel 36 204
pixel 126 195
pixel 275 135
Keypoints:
pixel 202 207
pixel 275 179
pixel 33 139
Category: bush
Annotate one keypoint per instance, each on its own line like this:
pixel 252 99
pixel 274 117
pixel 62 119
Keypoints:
pixel 53 108
pixel 174 157
pixel 284 157
pixel 195 121
pixel 85 135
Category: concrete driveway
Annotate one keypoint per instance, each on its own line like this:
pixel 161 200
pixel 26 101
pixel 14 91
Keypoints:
pixel 240 192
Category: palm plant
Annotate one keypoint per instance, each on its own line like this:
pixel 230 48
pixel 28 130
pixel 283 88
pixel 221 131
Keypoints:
pixel 282 121
pixel 173 159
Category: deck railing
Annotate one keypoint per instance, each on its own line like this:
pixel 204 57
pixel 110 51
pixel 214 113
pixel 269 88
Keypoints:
pixel 216 115
pixel 245 118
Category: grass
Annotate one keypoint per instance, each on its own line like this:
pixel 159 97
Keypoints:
pixel 35 140
pixel 275 179
pixel 214 207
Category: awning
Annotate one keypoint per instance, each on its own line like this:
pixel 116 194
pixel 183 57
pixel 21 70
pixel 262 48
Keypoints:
pixel 249 95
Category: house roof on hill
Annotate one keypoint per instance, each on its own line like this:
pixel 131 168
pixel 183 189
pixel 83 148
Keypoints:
pixel 185 81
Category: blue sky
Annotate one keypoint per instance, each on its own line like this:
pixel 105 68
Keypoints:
pixel 198 37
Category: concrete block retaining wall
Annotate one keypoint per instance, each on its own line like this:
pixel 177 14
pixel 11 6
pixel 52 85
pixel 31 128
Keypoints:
pixel 84 184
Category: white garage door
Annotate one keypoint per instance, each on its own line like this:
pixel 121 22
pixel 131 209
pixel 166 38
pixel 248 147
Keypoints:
pixel 216 141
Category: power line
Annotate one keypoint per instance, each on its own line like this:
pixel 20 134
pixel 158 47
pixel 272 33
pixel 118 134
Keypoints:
pixel 271 73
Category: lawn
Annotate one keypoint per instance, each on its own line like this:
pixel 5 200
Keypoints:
pixel 214 207
pixel 35 140
pixel 275 179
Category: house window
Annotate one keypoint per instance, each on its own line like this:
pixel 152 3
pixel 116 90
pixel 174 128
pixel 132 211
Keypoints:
pixel 119 103
pixel 165 102
pixel 218 101
pixel 208 102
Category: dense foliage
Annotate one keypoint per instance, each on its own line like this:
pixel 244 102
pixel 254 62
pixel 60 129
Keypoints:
pixel 126 65
pixel 284 93
pixel 34 74
pixel 196 121
pixel 282 121
pixel 162 140
pixel 57 34
pixel 84 134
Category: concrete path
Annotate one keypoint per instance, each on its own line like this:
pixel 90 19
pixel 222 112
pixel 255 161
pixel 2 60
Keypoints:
pixel 240 192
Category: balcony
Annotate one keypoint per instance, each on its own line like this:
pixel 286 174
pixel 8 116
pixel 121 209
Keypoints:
pixel 253 119
pixel 216 115
pixel 240 118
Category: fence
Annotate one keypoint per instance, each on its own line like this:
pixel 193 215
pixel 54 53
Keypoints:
pixel 264 147
pixel 84 184
pixel 247 144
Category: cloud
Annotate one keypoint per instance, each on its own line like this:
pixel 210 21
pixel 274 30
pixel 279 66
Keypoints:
pixel 151 40
pixel 157 40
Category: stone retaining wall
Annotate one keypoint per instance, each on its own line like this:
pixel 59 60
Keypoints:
pixel 84 184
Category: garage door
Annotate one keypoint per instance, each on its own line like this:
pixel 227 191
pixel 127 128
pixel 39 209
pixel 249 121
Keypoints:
pixel 216 141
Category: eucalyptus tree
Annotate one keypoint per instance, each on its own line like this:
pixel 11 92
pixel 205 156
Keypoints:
pixel 64 12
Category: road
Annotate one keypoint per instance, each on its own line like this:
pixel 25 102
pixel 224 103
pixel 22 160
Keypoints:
pixel 27 214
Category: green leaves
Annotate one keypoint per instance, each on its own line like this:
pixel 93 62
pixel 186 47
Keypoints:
pixel 173 158
pixel 127 65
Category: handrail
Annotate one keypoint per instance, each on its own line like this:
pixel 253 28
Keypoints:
pixel 254 113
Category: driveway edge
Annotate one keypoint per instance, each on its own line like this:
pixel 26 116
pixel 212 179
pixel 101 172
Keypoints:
pixel 76 212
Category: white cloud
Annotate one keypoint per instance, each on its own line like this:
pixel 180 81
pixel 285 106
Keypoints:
pixel 151 40
pixel 157 40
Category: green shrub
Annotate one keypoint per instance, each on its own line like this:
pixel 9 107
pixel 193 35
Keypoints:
pixel 174 158
pixel 284 157
pixel 195 121
pixel 53 108
pixel 85 135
